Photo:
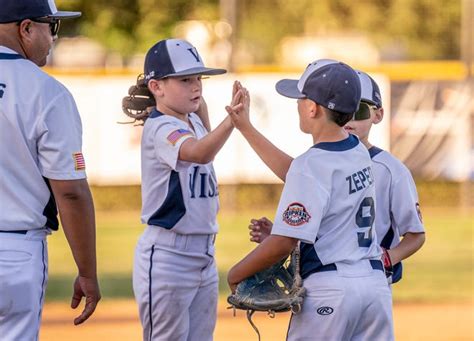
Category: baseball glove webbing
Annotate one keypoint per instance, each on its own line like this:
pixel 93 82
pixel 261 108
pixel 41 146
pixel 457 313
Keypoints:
pixel 276 289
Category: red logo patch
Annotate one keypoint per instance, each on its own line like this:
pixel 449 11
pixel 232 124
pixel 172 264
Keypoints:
pixel 296 214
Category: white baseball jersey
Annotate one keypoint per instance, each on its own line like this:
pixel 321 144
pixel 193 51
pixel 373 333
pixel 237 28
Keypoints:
pixel 40 139
pixel 398 210
pixel 176 195
pixel 328 202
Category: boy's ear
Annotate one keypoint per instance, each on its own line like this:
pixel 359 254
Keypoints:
pixel 156 87
pixel 314 109
pixel 378 116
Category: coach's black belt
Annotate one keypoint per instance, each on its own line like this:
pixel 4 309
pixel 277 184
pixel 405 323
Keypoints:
pixel 15 231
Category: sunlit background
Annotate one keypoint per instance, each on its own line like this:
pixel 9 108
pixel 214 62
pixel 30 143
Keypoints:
pixel 421 52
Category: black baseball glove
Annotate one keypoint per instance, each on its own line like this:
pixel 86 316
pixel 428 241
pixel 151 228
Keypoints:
pixel 276 289
pixel 139 101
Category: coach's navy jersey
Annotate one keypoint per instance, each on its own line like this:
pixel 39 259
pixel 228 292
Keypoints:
pixel 177 195
pixel 398 210
pixel 328 203
pixel 40 139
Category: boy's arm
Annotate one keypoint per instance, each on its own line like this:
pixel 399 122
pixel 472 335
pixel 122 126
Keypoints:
pixel 204 150
pixel 273 249
pixel 275 159
pixel 203 114
pixel 410 243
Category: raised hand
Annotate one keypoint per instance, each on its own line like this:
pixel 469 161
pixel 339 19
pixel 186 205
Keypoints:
pixel 240 113
pixel 260 229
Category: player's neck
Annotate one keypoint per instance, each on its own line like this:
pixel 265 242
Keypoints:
pixel 365 142
pixel 329 133
pixel 169 111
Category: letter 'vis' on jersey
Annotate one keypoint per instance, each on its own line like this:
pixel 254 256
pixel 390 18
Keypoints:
pixel 359 180
pixel 194 53
pixel 2 86
pixel 207 186
pixel 296 214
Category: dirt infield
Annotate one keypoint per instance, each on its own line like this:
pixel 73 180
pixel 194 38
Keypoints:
pixel 117 320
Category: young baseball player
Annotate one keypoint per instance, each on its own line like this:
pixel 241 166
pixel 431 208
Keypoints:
pixel 175 276
pixel 42 171
pixel 328 205
pixel 398 211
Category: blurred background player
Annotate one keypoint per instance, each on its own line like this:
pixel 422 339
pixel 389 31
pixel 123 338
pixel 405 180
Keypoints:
pixel 398 211
pixel 42 169
pixel 175 276
pixel 328 205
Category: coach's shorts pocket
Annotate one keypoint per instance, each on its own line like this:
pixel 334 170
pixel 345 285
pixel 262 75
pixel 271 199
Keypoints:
pixel 14 256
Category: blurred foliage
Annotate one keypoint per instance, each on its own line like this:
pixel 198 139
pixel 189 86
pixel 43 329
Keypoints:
pixel 412 29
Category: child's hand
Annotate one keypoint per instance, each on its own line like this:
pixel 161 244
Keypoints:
pixel 260 229
pixel 239 109
pixel 202 110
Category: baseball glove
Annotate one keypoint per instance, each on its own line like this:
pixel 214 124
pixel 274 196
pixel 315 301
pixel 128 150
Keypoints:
pixel 136 105
pixel 276 289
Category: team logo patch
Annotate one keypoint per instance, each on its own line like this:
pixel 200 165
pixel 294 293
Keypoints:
pixel 325 310
pixel 79 163
pixel 174 136
pixel 296 214
pixel 418 210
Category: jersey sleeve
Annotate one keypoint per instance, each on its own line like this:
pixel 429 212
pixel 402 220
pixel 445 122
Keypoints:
pixel 301 207
pixel 168 140
pixel 60 140
pixel 405 209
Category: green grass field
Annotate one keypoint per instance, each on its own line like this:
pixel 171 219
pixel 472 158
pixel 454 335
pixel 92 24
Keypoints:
pixel 440 272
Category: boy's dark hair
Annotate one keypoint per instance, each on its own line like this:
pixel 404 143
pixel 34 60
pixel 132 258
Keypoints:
pixel 338 117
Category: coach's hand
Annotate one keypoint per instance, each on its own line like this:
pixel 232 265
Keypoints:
pixel 260 229
pixel 88 288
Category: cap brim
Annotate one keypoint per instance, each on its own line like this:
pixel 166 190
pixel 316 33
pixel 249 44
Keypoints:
pixel 289 88
pixel 65 15
pixel 198 71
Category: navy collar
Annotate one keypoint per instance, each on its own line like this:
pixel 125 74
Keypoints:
pixel 374 151
pixel 155 113
pixel 10 56
pixel 338 146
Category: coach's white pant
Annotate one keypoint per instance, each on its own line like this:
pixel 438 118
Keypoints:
pixel 23 277
pixel 175 284
pixel 345 305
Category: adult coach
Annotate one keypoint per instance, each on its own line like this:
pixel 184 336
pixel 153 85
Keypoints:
pixel 42 170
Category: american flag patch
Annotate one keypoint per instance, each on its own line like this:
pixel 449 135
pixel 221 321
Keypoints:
pixel 174 136
pixel 79 163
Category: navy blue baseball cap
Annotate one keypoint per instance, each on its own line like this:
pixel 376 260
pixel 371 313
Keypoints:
pixel 330 83
pixel 17 10
pixel 370 90
pixel 174 58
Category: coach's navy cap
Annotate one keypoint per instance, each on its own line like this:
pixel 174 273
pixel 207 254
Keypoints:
pixel 173 58
pixel 330 83
pixel 17 10
pixel 370 90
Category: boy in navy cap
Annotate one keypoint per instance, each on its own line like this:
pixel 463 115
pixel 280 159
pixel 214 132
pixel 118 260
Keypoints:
pixel 398 214
pixel 327 209
pixel 174 274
